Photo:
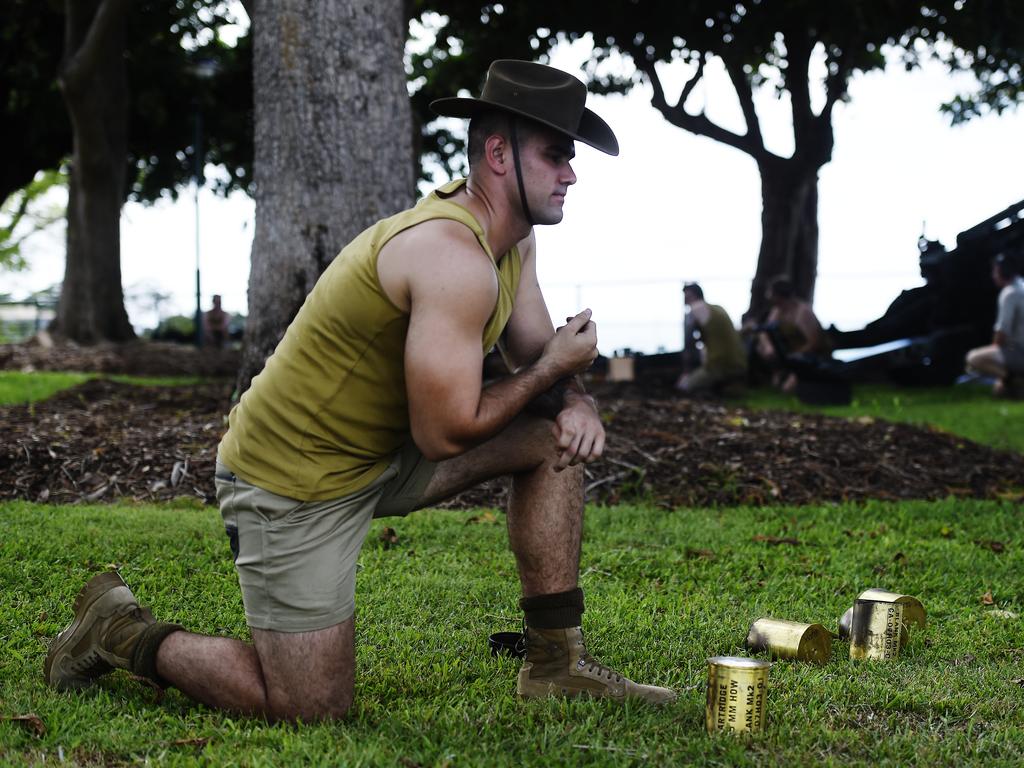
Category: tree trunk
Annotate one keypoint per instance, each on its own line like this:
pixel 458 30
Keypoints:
pixel 95 87
pixel 789 229
pixel 332 145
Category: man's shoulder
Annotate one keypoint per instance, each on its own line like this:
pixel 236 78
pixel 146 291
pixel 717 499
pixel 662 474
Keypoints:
pixel 436 236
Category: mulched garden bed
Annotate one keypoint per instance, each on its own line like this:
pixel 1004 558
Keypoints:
pixel 102 441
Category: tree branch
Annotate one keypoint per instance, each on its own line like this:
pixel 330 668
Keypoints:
pixel 744 91
pixel 696 124
pixel 798 55
pixel 835 88
pixel 84 59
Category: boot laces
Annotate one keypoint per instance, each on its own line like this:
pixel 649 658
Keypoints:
pixel 593 666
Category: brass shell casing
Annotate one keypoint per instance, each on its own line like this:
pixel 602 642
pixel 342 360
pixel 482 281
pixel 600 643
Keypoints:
pixel 913 612
pixel 790 640
pixel 736 694
pixel 876 630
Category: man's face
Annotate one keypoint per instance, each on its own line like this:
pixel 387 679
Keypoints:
pixel 998 278
pixel 547 173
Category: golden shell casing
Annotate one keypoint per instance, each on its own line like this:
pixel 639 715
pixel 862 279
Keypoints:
pixel 876 630
pixel 736 694
pixel 913 611
pixel 790 640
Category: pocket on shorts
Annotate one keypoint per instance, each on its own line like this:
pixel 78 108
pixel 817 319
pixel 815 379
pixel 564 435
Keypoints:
pixel 225 484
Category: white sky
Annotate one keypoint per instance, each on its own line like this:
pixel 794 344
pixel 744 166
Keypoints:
pixel 671 207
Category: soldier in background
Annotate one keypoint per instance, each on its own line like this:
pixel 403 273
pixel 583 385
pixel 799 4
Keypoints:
pixel 724 357
pixel 1003 359
pixel 215 325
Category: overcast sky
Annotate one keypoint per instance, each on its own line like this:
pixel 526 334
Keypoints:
pixel 671 207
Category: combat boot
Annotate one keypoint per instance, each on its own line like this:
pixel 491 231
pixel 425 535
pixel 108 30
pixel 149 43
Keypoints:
pixel 110 631
pixel 558 664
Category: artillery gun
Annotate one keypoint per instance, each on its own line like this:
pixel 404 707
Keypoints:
pixel 927 331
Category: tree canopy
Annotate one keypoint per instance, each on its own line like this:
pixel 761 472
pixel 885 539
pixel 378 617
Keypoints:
pixel 165 42
pixel 762 43
pixel 774 44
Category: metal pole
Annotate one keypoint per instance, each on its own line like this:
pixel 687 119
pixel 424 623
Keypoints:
pixel 198 185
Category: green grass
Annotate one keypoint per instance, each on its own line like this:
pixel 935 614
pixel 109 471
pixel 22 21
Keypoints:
pixel 664 592
pixel 966 410
pixel 17 387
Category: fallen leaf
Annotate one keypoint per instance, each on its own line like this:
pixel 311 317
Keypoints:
pixel 487 517
pixel 31 722
pixel 776 540
pixel 389 537
pixel 1000 614
pixel 693 554
pixel 1019 681
pixel 986 599
pixel 946 532
pixel 996 546
pixel 196 742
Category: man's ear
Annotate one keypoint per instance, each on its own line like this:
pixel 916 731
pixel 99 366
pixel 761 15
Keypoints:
pixel 496 153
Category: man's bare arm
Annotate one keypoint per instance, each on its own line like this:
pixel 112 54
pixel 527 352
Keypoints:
pixel 529 328
pixel 452 296
pixel 578 429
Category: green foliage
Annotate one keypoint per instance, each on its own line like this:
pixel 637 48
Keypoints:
pixel 164 41
pixel 967 410
pixel 26 208
pixel 762 44
pixel 664 592
pixel 991 46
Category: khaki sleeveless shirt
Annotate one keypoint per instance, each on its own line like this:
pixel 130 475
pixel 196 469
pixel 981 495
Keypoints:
pixel 724 350
pixel 329 410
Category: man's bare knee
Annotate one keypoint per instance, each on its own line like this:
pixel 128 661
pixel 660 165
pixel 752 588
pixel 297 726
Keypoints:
pixel 310 676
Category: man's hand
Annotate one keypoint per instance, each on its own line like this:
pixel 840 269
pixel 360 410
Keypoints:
pixel 573 348
pixel 578 432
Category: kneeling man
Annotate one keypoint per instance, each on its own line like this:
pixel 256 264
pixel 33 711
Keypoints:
pixel 372 405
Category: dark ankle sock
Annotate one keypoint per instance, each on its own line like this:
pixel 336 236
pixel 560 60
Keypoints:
pixel 560 610
pixel 144 657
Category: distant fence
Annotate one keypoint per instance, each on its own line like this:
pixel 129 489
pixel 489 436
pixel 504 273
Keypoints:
pixel 647 314
pixel 20 320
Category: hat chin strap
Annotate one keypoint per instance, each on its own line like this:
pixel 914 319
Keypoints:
pixel 519 171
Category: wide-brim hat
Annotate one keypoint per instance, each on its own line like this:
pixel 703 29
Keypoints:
pixel 547 95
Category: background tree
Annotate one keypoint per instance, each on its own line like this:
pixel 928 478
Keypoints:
pixel 27 212
pixel 333 147
pixel 123 112
pixel 761 44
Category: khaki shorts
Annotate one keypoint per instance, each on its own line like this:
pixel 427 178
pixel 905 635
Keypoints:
pixel 296 560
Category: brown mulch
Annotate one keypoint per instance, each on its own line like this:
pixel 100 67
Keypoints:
pixel 102 441
pixel 139 358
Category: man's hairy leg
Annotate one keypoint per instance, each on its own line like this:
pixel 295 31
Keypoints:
pixel 283 676
pixel 545 514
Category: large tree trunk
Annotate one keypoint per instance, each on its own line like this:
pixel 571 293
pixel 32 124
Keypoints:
pixel 95 87
pixel 332 148
pixel 789 230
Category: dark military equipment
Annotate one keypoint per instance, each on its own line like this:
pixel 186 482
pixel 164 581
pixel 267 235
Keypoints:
pixel 933 326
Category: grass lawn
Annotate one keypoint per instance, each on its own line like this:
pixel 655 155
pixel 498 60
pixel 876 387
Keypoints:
pixel 966 410
pixel 17 387
pixel 664 592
